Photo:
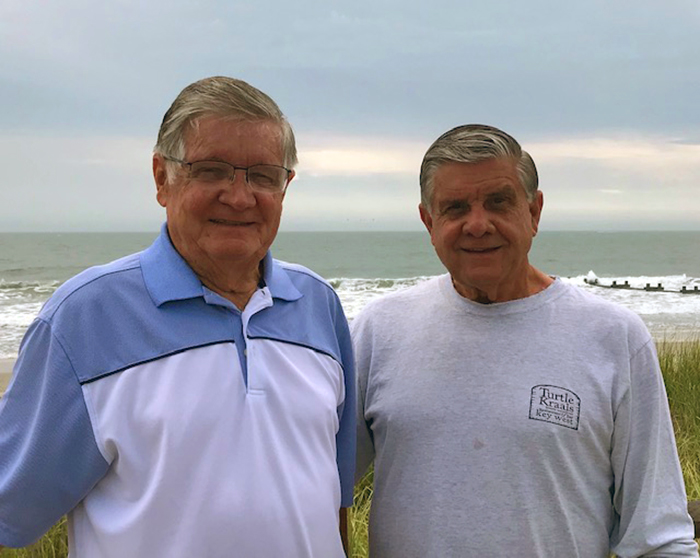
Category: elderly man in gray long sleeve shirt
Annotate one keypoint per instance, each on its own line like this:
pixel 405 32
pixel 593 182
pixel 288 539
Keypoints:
pixel 507 412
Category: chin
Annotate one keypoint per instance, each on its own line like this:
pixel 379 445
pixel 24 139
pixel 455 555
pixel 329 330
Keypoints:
pixel 477 275
pixel 243 253
pixel 482 282
pixel 227 249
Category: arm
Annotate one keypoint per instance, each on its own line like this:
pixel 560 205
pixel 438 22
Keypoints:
pixel 45 471
pixel 344 535
pixel 362 344
pixel 649 495
pixel 345 437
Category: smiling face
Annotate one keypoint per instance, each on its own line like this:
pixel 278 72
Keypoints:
pixel 482 225
pixel 225 226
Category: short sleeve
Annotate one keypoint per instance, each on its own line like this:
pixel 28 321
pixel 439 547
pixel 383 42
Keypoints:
pixel 345 438
pixel 49 459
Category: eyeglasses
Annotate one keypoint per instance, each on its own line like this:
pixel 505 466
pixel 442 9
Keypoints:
pixel 261 178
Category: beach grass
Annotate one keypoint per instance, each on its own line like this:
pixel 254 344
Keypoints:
pixel 359 516
pixel 680 364
pixel 53 544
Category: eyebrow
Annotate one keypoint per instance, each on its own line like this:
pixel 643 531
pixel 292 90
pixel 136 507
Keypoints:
pixel 214 159
pixel 505 190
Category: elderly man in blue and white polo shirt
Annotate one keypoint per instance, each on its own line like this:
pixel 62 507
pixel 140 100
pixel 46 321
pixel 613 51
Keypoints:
pixel 194 399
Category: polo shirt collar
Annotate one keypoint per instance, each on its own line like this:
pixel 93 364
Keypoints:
pixel 168 277
pixel 277 280
pixel 166 274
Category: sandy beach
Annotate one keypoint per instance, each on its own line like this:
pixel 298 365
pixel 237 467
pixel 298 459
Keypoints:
pixel 5 372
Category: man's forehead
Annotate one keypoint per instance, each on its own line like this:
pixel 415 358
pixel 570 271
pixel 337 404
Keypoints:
pixel 493 175
pixel 480 185
pixel 496 165
pixel 231 125
pixel 218 132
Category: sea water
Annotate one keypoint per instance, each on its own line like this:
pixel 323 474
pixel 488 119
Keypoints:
pixel 364 265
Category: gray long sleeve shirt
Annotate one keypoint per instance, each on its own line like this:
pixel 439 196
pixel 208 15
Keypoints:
pixel 536 427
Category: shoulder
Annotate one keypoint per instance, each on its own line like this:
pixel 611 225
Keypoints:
pixel 585 300
pixel 307 312
pixel 307 295
pixel 94 282
pixel 407 303
pixel 301 273
pixel 591 311
pixel 306 280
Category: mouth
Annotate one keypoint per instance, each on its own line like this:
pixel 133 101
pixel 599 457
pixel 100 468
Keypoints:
pixel 489 250
pixel 230 223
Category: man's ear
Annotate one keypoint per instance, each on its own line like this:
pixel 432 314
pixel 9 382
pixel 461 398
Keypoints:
pixel 426 217
pixel 536 211
pixel 160 176
pixel 291 177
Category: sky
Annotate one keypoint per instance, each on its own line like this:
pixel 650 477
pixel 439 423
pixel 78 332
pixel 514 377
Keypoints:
pixel 604 95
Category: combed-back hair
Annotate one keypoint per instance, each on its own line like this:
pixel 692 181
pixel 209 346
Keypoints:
pixel 226 98
pixel 474 143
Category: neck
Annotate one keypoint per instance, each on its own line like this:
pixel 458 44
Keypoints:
pixel 534 282
pixel 237 286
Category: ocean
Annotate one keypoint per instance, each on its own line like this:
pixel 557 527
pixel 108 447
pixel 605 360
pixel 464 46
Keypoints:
pixel 365 265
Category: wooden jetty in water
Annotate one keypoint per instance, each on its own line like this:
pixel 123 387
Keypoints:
pixel 648 287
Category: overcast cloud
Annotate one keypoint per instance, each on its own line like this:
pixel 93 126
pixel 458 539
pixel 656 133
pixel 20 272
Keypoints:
pixel 604 95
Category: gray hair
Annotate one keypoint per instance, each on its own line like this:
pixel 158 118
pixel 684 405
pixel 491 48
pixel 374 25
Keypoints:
pixel 226 98
pixel 474 143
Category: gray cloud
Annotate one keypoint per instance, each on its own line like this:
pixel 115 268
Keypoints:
pixel 542 69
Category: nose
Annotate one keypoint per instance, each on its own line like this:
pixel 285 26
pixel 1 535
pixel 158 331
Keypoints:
pixel 238 194
pixel 477 222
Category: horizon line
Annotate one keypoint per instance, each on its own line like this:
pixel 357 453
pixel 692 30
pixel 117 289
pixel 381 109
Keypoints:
pixel 157 231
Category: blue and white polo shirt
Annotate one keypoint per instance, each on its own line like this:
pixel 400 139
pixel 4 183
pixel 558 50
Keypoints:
pixel 169 423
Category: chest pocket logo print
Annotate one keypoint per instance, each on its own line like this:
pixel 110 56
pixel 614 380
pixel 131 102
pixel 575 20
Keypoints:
pixel 556 405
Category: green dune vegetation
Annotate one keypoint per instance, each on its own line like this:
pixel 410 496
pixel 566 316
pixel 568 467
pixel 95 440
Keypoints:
pixel 680 363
